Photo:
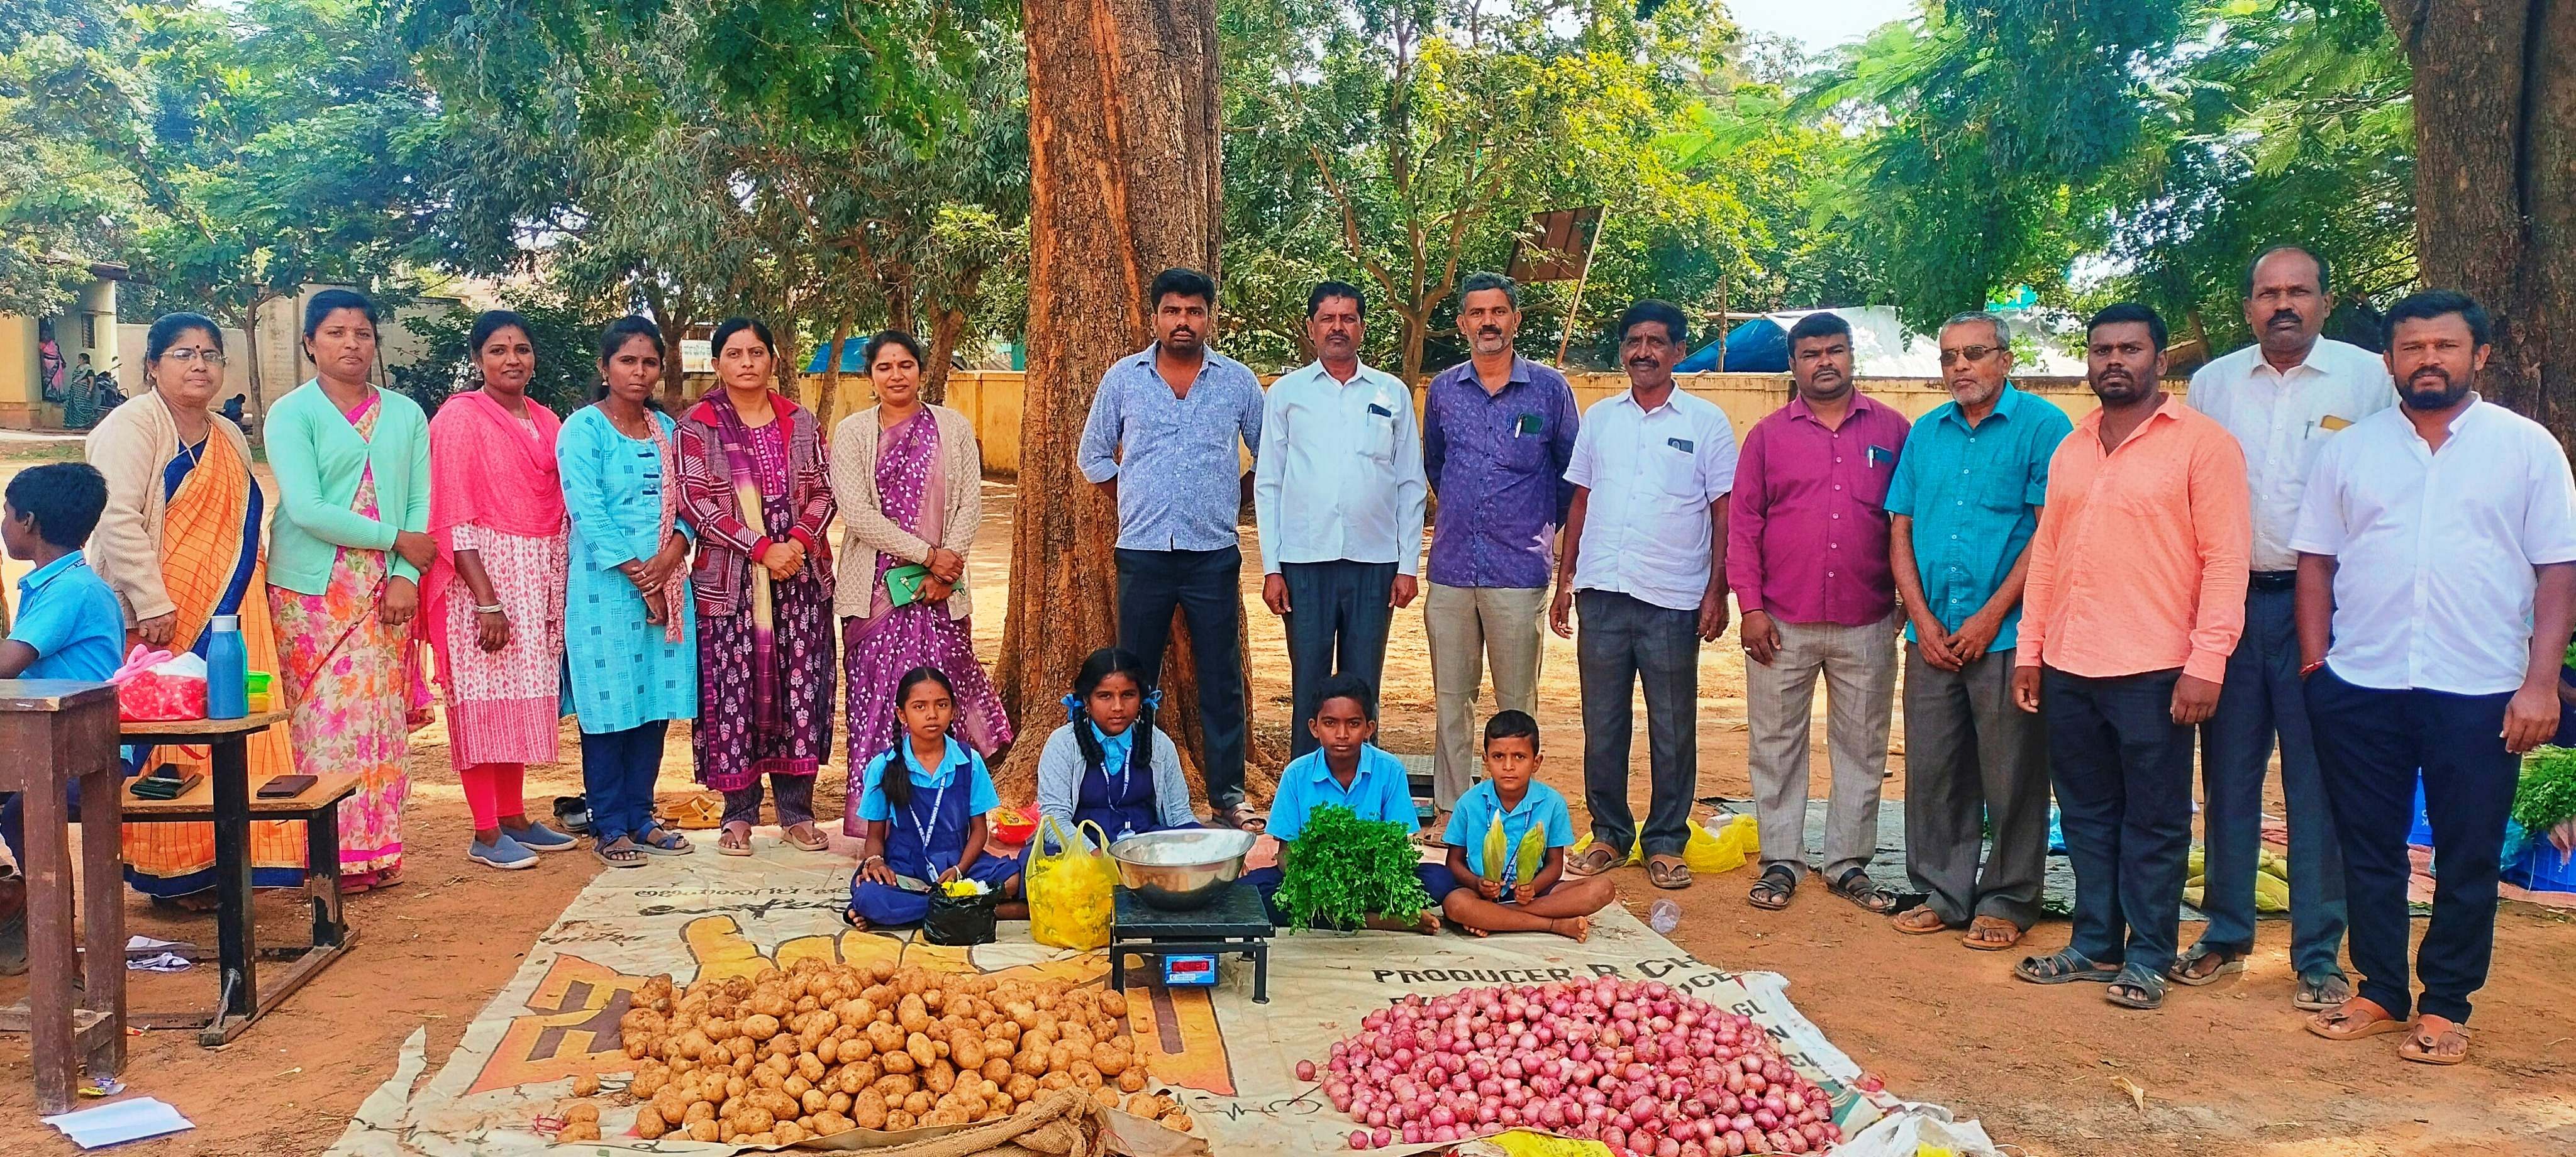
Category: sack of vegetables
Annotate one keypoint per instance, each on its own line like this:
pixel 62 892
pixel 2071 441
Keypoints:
pixel 961 913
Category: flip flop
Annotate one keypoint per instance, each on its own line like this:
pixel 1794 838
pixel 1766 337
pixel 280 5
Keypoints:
pixel 2420 1047
pixel 1865 893
pixel 1985 923
pixel 820 842
pixel 1772 892
pixel 661 841
pixel 1668 873
pixel 2321 991
pixel 1591 861
pixel 618 853
pixel 1919 921
pixel 1240 817
pixel 726 849
pixel 2231 961
pixel 2061 967
pixel 2354 1019
pixel 2137 987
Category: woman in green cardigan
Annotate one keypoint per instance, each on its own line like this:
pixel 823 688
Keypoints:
pixel 344 560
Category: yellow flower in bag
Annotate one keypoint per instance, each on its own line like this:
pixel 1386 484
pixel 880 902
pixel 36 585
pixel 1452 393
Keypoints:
pixel 1071 891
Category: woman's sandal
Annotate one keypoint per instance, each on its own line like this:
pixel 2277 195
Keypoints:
pixel 1919 921
pixel 1591 861
pixel 818 843
pixel 1865 892
pixel 618 853
pixel 2137 987
pixel 1240 817
pixel 1668 872
pixel 2354 1019
pixel 1772 892
pixel 661 841
pixel 2431 1033
pixel 1981 934
pixel 2063 966
pixel 724 842
pixel 2189 967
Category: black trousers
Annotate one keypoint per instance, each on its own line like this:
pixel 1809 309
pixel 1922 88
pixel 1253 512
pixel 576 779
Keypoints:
pixel 1206 587
pixel 2370 745
pixel 1337 623
pixel 1627 644
pixel 2122 769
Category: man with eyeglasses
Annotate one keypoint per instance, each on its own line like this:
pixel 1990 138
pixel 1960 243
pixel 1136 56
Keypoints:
pixel 1964 503
pixel 2283 397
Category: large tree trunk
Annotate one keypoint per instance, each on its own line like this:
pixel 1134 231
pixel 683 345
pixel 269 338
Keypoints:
pixel 1123 182
pixel 2495 182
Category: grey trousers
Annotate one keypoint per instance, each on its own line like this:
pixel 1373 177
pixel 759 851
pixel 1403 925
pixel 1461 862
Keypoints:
pixel 1337 624
pixel 1468 626
pixel 2263 695
pixel 1625 641
pixel 1859 667
pixel 1971 758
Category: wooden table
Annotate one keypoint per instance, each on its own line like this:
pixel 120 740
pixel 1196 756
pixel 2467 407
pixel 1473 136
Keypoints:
pixel 54 734
pixel 227 796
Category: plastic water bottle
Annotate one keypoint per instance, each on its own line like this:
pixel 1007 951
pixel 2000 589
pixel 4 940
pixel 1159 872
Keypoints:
pixel 1664 917
pixel 227 669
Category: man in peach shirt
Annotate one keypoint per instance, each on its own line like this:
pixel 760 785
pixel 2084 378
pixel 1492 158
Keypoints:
pixel 2135 598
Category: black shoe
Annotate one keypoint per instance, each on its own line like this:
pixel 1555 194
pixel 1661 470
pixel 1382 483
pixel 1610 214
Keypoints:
pixel 572 813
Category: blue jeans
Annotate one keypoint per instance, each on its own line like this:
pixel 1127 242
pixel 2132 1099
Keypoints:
pixel 2122 769
pixel 618 770
pixel 2263 696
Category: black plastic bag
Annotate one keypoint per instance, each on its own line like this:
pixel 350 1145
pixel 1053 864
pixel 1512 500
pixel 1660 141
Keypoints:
pixel 959 920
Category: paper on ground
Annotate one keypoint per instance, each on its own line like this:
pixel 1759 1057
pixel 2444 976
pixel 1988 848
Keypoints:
pixel 121 1122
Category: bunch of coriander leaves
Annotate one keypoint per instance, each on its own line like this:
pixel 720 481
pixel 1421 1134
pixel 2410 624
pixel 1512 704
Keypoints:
pixel 1342 870
pixel 2546 796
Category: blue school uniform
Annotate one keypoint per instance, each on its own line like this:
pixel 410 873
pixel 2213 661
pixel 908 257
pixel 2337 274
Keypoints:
pixel 1122 804
pixel 1378 791
pixel 1541 807
pixel 67 614
pixel 925 837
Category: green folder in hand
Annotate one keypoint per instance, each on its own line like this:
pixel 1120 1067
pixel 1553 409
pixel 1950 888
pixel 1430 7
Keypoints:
pixel 903 583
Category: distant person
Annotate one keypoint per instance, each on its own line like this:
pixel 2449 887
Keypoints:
pixel 2135 595
pixel 1162 439
pixel 1487 895
pixel 1644 565
pixel 1966 499
pixel 1497 432
pixel 2285 398
pixel 232 408
pixel 1337 493
pixel 2437 591
pixel 1807 553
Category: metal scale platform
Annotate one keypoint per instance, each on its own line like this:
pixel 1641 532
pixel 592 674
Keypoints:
pixel 1188 945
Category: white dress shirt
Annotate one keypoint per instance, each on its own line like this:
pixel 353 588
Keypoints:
pixel 2434 550
pixel 1652 477
pixel 2280 419
pixel 1339 474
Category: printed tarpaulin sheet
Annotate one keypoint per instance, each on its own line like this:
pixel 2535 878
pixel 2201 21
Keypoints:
pixel 1230 1060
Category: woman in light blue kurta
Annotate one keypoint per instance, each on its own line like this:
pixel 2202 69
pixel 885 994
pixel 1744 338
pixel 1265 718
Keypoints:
pixel 630 636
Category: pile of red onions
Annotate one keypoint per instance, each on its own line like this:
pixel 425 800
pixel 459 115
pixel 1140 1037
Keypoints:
pixel 1641 1067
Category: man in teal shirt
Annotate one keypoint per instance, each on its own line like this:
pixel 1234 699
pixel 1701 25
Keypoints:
pixel 1965 501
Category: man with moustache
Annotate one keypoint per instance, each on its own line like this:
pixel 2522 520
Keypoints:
pixel 1965 501
pixel 1808 537
pixel 1497 432
pixel 2284 397
pixel 1161 441
pixel 1337 492
pixel 2437 590
pixel 1645 561
pixel 2135 596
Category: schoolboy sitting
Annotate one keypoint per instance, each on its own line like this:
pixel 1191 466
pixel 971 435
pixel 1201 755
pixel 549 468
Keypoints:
pixel 1527 890
pixel 1345 769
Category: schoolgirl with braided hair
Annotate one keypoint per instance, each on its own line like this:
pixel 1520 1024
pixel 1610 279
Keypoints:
pixel 1109 764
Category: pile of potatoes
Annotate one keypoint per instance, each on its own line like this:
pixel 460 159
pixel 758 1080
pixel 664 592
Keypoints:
pixel 821 1048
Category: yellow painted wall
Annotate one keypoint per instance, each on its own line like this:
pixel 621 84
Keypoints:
pixel 21 394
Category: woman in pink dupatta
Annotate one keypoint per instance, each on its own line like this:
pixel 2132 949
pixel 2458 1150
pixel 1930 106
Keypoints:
pixel 495 594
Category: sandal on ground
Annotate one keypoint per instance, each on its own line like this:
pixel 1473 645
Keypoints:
pixel 1983 934
pixel 2195 967
pixel 2062 966
pixel 1856 886
pixel 2319 991
pixel 1772 891
pixel 2137 987
pixel 817 842
pixel 2354 1019
pixel 697 813
pixel 1668 872
pixel 1241 817
pixel 1592 861
pixel 661 841
pixel 1919 920
pixel 725 844
pixel 2432 1033
pixel 618 853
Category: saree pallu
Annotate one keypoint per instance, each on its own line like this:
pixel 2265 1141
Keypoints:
pixel 211 565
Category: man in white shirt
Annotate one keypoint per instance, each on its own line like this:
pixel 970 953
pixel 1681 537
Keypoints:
pixel 1644 558
pixel 2283 397
pixel 1337 490
pixel 2437 591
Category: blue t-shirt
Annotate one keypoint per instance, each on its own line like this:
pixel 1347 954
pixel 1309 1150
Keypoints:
pixel 1378 791
pixel 980 796
pixel 1540 805
pixel 67 613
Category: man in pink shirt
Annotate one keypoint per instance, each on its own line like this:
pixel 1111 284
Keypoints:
pixel 1811 572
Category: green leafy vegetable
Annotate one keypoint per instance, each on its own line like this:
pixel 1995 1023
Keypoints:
pixel 2546 797
pixel 1342 869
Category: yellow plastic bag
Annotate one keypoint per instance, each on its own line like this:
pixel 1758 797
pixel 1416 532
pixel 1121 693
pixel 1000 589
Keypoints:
pixel 1724 850
pixel 1070 890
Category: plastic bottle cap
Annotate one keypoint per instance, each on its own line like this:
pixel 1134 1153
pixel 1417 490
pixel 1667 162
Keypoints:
pixel 224 623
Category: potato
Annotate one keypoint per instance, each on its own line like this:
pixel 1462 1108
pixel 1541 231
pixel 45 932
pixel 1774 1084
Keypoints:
pixel 753 1120
pixel 814 1101
pixel 796 1086
pixel 837 1103
pixel 705 1130
pixel 578 1131
pixel 650 1077
pixel 1106 1096
pixel 718 1029
pixel 868 1110
pixel 857 1048
pixel 698 1111
pixel 938 1078
pixel 827 1051
pixel 968 1051
pixel 1056 1082
pixel 671 1103
pixel 760 1026
pixel 695 1043
pixel 1177 1121
pixel 649 1124
pixel 827 1124
pixel 885 1037
pixel 1022 1087
pixel 1111 1058
pixel 919 1046
pixel 899 1062
pixel 912 1014
pixel 898 1120
pixel 1032 1062
pixel 918 1102
pixel 997 1069
pixel 1131 1081
pixel 896 1085
pixel 581 1111
pixel 789 1133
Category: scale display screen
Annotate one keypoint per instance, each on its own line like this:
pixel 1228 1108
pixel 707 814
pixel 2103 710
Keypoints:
pixel 1189 971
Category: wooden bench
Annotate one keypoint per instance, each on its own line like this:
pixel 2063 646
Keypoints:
pixel 53 734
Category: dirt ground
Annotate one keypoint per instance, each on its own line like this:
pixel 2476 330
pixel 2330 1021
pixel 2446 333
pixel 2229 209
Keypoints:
pixel 2225 1069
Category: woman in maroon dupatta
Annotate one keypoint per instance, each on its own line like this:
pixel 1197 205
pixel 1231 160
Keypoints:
pixel 754 482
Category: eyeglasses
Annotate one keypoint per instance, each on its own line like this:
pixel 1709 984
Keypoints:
pixel 1969 353
pixel 184 356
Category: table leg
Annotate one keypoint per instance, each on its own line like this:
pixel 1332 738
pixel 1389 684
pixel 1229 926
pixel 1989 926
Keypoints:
pixel 1261 974
pixel 322 875
pixel 50 959
pixel 235 933
pixel 1117 968
pixel 103 911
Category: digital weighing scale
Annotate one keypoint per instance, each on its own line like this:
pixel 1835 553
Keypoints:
pixel 1186 946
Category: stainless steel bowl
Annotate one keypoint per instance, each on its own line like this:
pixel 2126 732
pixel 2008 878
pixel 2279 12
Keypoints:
pixel 1179 871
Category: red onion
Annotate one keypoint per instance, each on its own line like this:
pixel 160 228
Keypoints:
pixel 1359 1139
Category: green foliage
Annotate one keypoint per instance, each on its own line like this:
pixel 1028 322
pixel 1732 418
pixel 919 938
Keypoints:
pixel 1342 869
pixel 567 374
pixel 2546 796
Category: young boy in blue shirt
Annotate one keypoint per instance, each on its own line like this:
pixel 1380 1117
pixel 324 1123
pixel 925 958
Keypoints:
pixel 1487 897
pixel 1348 770
pixel 68 626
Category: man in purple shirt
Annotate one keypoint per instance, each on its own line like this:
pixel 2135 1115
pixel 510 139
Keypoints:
pixel 1497 431
pixel 1808 544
